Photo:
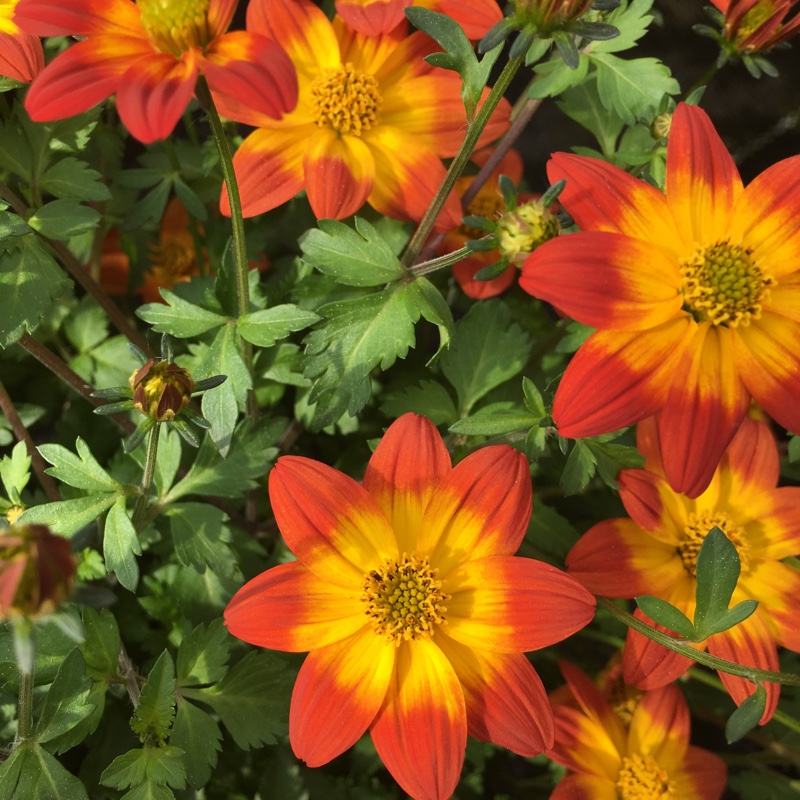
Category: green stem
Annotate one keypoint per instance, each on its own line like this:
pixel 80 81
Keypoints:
pixel 140 509
pixel 705 79
pixel 25 718
pixel 424 267
pixel 474 131
pixel 684 649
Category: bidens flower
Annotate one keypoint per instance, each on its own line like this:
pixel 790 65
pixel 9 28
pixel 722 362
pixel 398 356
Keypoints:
pixel 21 56
pixel 695 294
pixel 414 608
pixel 753 26
pixel 372 122
pixel 150 53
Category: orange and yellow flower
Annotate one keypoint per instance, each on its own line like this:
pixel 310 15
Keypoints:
pixel 149 54
pixel 655 552
pixel 645 754
pixel 21 55
pixel 374 17
pixel 752 26
pixel 695 293
pixel 416 613
pixel 372 121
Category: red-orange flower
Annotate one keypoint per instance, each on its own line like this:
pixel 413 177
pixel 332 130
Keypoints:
pixel 752 26
pixel 695 293
pixel 21 56
pixel 644 755
pixel 414 608
pixel 374 17
pixel 150 53
pixel 654 553
pixel 372 122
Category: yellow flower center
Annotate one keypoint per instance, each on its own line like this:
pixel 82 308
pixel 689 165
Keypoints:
pixel 486 203
pixel 346 100
pixel 722 284
pixel 698 528
pixel 624 700
pixel 525 228
pixel 642 779
pixel 175 26
pixel 6 15
pixel 754 19
pixel 404 600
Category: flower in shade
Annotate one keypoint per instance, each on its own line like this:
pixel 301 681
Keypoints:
pixel 21 56
pixel 150 54
pixel 372 121
pixel 694 291
pixel 753 26
pixel 643 755
pixel 654 552
pixel 414 609
pixel 373 17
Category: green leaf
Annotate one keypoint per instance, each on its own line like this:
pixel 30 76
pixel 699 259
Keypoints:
pixel 199 536
pixel 265 327
pixel 535 443
pixel 63 219
pixel 149 791
pixel 252 699
pixel 82 471
pixel 153 717
pixel 429 398
pixel 631 20
pixel 747 716
pixel 493 424
pixel 488 349
pixel 555 77
pixel 459 54
pixel 72 178
pixel 31 773
pixel 582 103
pixel 630 88
pixel 199 736
pixel 159 765
pixel 30 283
pixel 66 702
pixel 12 225
pixel 224 357
pixel 579 469
pixel 87 326
pixel 178 317
pixel 359 257
pixel 101 643
pixel 220 408
pixel 203 655
pixel 666 614
pixel 550 531
pixel 533 399
pixel 121 545
pixel 15 472
pixel 67 517
pixel 794 449
pixel 611 457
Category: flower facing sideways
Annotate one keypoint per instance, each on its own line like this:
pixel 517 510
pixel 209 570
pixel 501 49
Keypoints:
pixel 639 755
pixel 655 552
pixel 150 53
pixel 753 26
pixel 414 609
pixel 695 294
pixel 21 56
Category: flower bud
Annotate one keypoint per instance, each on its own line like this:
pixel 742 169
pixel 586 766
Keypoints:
pixel 161 389
pixel 661 125
pixel 37 571
pixel 522 230
pixel 547 15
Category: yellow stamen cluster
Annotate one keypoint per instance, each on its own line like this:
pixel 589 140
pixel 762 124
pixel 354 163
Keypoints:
pixel 175 26
pixel 642 779
pixel 697 529
pixel 624 700
pixel 722 284
pixel 404 600
pixel 487 203
pixel 754 19
pixel 346 100
pixel 522 230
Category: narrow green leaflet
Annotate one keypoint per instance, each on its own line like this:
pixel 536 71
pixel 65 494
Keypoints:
pixel 200 537
pixel 357 257
pixel 63 219
pixel 203 655
pixel 31 773
pixel 197 733
pixel 121 545
pixel 493 423
pixel 67 517
pixel 82 471
pixel 101 642
pixel 70 177
pixel 265 327
pixel 15 471
pixel 153 717
pixel 178 317
pixel 533 399
pixel 666 614
pixel 30 283
pixel 747 716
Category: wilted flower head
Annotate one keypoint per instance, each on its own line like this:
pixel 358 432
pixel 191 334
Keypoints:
pixel 37 571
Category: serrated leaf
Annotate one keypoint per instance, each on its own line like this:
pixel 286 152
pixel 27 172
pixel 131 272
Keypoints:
pixel 582 103
pixel 12 225
pixel 224 357
pixel 153 717
pixel 357 257
pixel 535 443
pixel 72 178
pixel 31 773
pixel 747 716
pixel 220 408
pixel 67 517
pixel 203 655
pixel 488 349
pixel 666 614
pixel 121 545
pixel 82 471
pixel 265 327
pixel 579 469
pixel 611 457
pixel 149 791
pixel 101 643
pixel 199 736
pixel 631 20
pixel 200 537
pixel 159 765
pixel 555 77
pixel 15 472
pixel 178 317
pixel 63 219
pixel 428 398
pixel 533 399
pixel 493 424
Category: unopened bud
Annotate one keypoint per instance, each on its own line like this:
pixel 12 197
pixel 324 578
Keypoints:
pixel 522 230
pixel 661 125
pixel 161 389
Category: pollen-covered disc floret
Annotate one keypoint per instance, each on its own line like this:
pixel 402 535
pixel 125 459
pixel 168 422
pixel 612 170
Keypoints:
pixel 175 26
pixel 722 284
pixel 404 600
pixel 624 700
pixel 346 100
pixel 698 527
pixel 641 778
pixel 522 230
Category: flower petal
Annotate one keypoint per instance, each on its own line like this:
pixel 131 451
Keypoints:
pixel 421 731
pixel 474 16
pixel 330 522
pixel 585 787
pixel 372 17
pixel 506 701
pixel 703 183
pixel 706 403
pixel 289 608
pixel 777 587
pixel 465 271
pixel 660 726
pixel 21 56
pixel 507 604
pixel 702 776
pixel 78 17
pixel 618 378
pixel 338 692
pixel 481 508
pixel 751 464
pixel 220 15
pixel 584 745
pixel 597 278
pixel 651 503
pixel 339 173
pixel 407 467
